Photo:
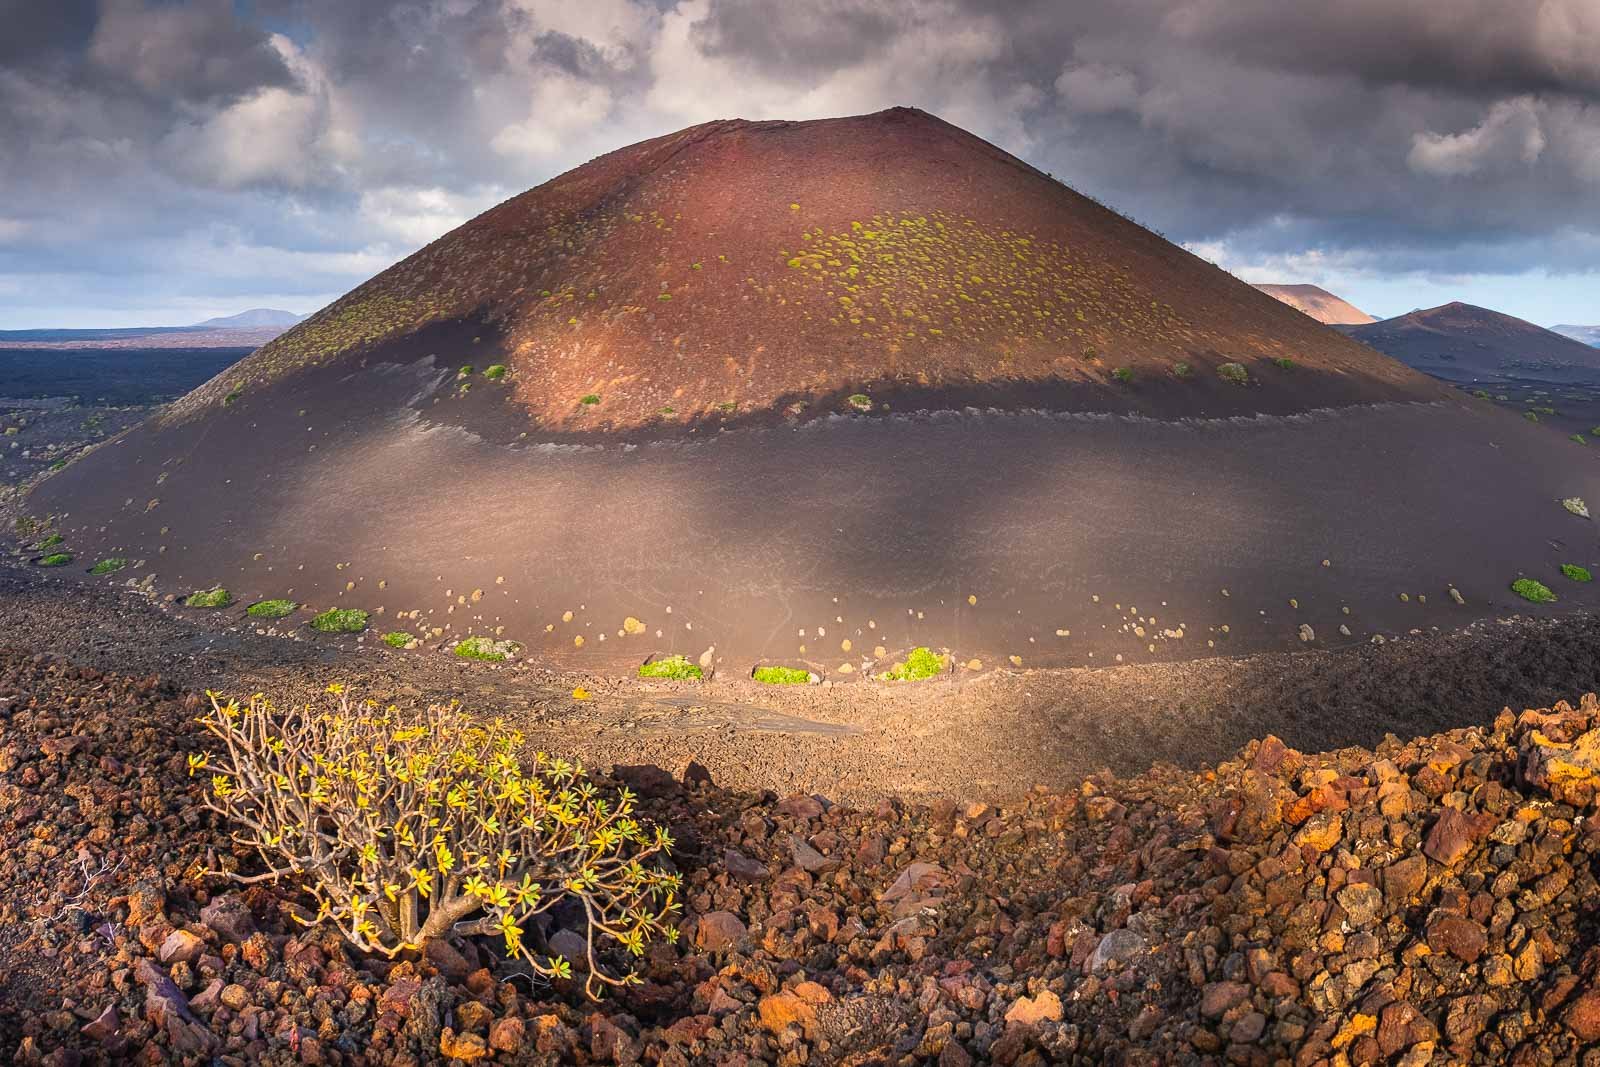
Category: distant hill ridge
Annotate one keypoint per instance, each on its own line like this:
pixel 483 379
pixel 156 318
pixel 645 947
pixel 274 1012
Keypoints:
pixel 1318 303
pixel 251 319
pixel 248 329
pixel 1457 339
pixel 1589 335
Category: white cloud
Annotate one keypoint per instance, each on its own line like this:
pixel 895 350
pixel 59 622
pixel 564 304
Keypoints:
pixel 1097 88
pixel 1510 134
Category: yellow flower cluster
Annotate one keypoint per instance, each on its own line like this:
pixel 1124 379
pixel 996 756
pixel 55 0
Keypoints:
pixel 404 830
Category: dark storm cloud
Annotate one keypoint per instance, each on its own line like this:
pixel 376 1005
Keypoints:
pixel 293 146
pixel 798 39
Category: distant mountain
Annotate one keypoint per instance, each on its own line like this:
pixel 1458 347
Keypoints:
pixel 1319 304
pixel 1461 341
pixel 255 318
pixel 248 329
pixel 1589 335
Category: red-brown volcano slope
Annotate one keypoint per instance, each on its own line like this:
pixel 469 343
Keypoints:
pixel 737 266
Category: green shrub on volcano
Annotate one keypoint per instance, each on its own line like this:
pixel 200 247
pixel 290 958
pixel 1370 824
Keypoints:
pixel 215 597
pixel 56 559
pixel 782 676
pixel 271 609
pixel 676 668
pixel 486 649
pixel 1531 590
pixel 108 566
pixel 340 621
pixel 921 663
pixel 1576 573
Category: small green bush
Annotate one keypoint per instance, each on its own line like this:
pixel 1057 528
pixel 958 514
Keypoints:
pixel 397 639
pixel 782 676
pixel 271 609
pixel 486 649
pixel 589 398
pixel 1529 589
pixel 466 371
pixel 56 559
pixel 1283 363
pixel 1234 372
pixel 1531 416
pixel 340 621
pixel 1123 375
pixel 237 392
pixel 921 663
pixel 495 372
pixel 1182 370
pixel 1579 439
pixel 1576 573
pixel 108 566
pixel 860 401
pixel 50 542
pixel 1576 505
pixel 675 667
pixel 216 597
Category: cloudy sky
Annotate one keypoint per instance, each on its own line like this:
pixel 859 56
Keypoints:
pixel 161 161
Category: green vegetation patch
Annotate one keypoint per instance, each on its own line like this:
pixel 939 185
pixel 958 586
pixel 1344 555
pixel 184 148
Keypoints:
pixel 860 401
pixel 56 559
pixel 1579 438
pixel 1283 363
pixel 109 566
pixel 397 639
pixel 50 542
pixel 1123 375
pixel 589 398
pixel 1531 416
pixel 466 371
pixel 237 392
pixel 271 609
pixel 676 668
pixel 1576 505
pixel 486 649
pixel 340 621
pixel 1576 573
pixel 1182 370
pixel 782 676
pixel 216 597
pixel 922 663
pixel 1529 589
pixel 495 372
pixel 1234 372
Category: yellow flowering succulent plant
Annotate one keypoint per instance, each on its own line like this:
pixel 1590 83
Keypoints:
pixel 404 830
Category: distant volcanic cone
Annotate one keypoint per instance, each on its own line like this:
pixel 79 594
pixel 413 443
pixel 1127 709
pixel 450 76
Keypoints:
pixel 815 394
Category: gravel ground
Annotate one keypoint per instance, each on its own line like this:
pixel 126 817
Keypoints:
pixel 990 737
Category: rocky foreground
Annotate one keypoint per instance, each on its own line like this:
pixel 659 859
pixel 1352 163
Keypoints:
pixel 1427 902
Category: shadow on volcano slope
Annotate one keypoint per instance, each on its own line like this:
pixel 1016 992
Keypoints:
pixel 1059 539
